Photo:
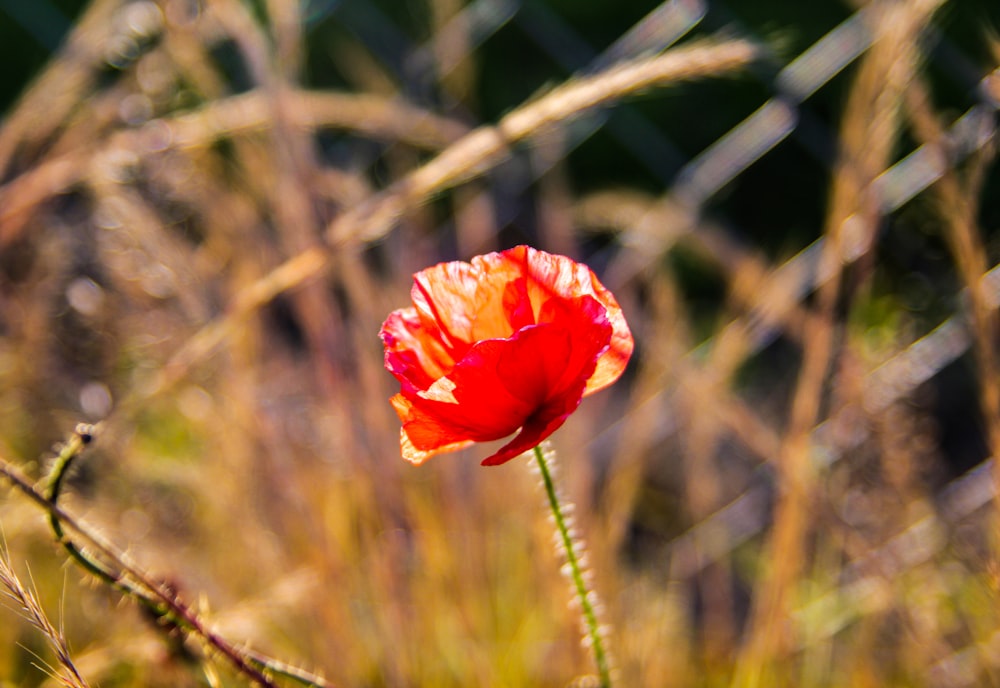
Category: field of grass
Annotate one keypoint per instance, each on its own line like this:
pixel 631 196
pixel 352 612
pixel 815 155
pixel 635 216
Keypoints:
pixel 207 210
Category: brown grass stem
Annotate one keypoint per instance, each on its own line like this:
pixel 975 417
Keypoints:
pixel 869 129
pixel 957 208
pixel 207 209
pixel 467 157
pixel 478 151
pixel 250 113
pixel 32 609
pixel 143 587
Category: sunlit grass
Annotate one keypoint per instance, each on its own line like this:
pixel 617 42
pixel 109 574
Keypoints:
pixel 197 250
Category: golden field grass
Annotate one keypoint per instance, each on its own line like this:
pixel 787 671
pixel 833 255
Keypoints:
pixel 790 486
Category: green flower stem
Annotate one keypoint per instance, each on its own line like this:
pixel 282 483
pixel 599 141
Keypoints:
pixel 586 597
pixel 82 436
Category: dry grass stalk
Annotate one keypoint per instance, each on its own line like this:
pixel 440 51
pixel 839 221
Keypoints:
pixel 144 587
pixel 271 272
pixel 470 155
pixel 957 201
pixel 868 131
pixel 28 604
pixel 480 149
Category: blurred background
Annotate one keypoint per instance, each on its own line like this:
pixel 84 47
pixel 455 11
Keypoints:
pixel 207 209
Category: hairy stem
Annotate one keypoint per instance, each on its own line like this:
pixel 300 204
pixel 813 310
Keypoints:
pixel 127 577
pixel 587 598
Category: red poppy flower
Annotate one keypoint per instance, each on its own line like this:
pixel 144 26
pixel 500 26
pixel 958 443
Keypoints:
pixel 511 341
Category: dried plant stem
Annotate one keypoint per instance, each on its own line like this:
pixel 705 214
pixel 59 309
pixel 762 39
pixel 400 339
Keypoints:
pixel 957 208
pixel 129 579
pixel 475 153
pixel 470 156
pixel 82 436
pixel 869 128
pixel 467 157
pixel 233 117
pixel 276 667
pixel 33 611
pixel 586 598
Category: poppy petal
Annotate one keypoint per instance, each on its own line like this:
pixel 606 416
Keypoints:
pixel 557 366
pixel 612 362
pixel 564 394
pixel 527 382
pixel 431 436
pixel 567 278
pixel 444 297
pixel 557 277
pixel 417 456
pixel 414 357
pixel 509 342
pixel 531 436
pixel 502 285
pixel 516 305
pixel 481 408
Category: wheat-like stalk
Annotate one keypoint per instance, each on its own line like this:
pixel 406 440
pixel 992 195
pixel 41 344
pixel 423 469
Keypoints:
pixel 26 602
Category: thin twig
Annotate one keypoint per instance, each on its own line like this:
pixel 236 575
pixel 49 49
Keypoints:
pixel 166 598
